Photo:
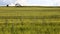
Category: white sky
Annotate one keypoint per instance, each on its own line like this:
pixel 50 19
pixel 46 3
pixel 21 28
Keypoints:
pixel 40 2
pixel 34 2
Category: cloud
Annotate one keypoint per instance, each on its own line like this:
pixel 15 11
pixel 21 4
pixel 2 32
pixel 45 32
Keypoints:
pixel 31 2
pixel 56 2
pixel 43 2
pixel 22 2
pixel 40 2
pixel 5 2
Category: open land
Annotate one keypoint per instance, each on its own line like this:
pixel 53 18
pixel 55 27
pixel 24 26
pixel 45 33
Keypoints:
pixel 29 20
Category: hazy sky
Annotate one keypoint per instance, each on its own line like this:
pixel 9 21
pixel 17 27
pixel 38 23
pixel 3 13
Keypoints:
pixel 32 2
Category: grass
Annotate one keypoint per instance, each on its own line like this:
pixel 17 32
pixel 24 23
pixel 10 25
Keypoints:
pixel 29 20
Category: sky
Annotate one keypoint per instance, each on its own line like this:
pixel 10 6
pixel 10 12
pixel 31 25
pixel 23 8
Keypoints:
pixel 31 2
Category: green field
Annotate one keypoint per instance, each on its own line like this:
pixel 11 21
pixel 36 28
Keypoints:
pixel 29 20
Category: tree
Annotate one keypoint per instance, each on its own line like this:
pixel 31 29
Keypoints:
pixel 17 5
pixel 7 5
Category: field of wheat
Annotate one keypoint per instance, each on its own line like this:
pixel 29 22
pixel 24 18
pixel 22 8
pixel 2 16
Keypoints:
pixel 29 20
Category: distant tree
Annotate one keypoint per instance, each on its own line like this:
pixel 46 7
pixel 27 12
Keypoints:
pixel 17 5
pixel 7 5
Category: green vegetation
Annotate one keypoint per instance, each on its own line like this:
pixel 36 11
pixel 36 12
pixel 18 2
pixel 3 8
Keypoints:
pixel 29 20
